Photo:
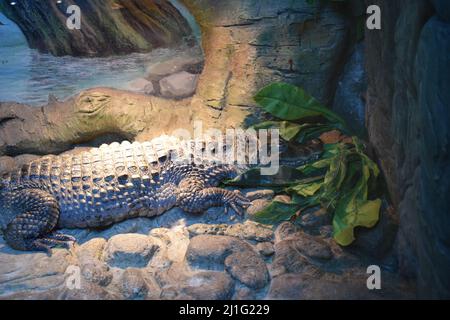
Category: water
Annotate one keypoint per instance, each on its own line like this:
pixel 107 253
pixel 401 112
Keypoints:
pixel 28 76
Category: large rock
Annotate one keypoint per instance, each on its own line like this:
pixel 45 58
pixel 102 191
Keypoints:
pixel 350 285
pixel 130 250
pixel 138 285
pixel 248 230
pixel 249 269
pixel 442 8
pixel 209 285
pixel 192 63
pixel 349 98
pixel 178 85
pixel 106 29
pixel 407 120
pixel 238 258
pixel 142 85
pixel 250 44
pixel 433 80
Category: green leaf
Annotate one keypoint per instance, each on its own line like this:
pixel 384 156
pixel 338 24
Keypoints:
pixel 289 130
pixel 354 213
pixel 313 130
pixel 266 125
pixel 276 212
pixel 288 102
pixel 307 189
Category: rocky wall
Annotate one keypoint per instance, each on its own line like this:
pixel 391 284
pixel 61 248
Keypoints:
pixel 107 27
pixel 407 117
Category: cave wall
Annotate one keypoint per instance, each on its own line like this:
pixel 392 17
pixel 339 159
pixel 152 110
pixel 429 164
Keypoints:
pixel 107 27
pixel 407 117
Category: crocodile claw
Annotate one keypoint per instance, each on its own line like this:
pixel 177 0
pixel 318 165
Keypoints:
pixel 237 201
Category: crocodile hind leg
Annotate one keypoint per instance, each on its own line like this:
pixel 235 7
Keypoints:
pixel 32 228
pixel 193 197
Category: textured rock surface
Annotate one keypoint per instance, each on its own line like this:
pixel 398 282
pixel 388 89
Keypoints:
pixel 407 118
pixel 126 26
pixel 92 117
pixel 178 85
pixel 249 44
pixel 142 85
pixel 165 258
pixel 191 61
pixel 134 250
pixel 349 98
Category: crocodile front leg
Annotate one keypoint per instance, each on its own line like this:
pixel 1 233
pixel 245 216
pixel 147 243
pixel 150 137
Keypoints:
pixel 192 197
pixel 31 228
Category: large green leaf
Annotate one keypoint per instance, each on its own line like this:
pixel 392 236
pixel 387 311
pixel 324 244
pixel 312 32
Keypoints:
pixel 354 213
pixel 288 102
pixel 276 212
pixel 307 189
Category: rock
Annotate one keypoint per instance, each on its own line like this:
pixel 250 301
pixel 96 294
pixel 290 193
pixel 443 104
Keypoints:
pixel 134 285
pixel 285 230
pixel 283 198
pixel 257 206
pixel 442 8
pixel 413 152
pixel 312 247
pixel 315 219
pixel 178 85
pixel 350 285
pixel 248 230
pixel 377 241
pixel 88 291
pixel 209 285
pixel 176 241
pixel 260 194
pixel 91 250
pixel 287 287
pixel 97 272
pixel 298 252
pixel 265 248
pixel 188 63
pixel 244 293
pixel 142 85
pixel 130 250
pixel 33 274
pixel 213 252
pixel 7 164
pixel 249 269
pixel 138 30
pixel 348 101
pixel 433 221
pixel 210 251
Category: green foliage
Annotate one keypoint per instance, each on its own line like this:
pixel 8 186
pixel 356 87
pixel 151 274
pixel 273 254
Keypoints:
pixel 341 181
pixel 288 102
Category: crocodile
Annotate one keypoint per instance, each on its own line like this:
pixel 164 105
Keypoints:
pixel 106 185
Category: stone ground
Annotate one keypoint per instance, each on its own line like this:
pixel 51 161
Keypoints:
pixel 210 256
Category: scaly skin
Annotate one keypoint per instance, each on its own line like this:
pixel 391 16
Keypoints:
pixel 109 184
pixel 103 186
